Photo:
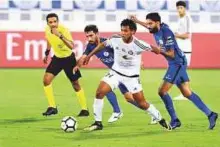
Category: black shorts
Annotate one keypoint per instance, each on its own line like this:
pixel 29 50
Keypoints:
pixel 67 64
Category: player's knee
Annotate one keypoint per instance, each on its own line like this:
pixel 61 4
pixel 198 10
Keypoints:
pixel 76 86
pixel 99 94
pixel 143 105
pixel 129 98
pixel 187 93
pixel 161 92
pixel 46 81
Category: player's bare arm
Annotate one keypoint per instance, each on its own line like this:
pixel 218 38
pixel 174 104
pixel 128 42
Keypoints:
pixel 182 36
pixel 81 60
pixel 134 18
pixel 168 53
pixel 79 63
pixel 47 52
pixel 68 43
pixel 97 49
pixel 155 49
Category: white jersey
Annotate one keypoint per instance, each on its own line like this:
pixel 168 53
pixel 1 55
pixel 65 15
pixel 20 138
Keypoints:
pixel 127 56
pixel 185 26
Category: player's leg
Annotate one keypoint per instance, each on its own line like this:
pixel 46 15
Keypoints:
pixel 170 78
pixel 186 91
pixel 52 70
pixel 129 98
pixel 188 59
pixel 68 65
pixel 108 83
pixel 117 114
pixel 127 95
pixel 150 109
pixel 134 86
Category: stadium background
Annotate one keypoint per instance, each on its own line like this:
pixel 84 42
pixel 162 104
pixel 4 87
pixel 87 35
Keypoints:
pixel 23 21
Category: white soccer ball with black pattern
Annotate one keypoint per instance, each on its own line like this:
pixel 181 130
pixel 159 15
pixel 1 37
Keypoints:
pixel 69 124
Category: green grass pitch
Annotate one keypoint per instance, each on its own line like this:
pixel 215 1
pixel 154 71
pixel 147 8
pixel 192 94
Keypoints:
pixel 22 101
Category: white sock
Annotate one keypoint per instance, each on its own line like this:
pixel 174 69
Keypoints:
pixel 97 109
pixel 153 112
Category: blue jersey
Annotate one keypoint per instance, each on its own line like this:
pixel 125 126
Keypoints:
pixel 106 55
pixel 166 39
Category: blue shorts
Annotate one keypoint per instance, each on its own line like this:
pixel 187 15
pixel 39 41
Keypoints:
pixel 122 88
pixel 176 74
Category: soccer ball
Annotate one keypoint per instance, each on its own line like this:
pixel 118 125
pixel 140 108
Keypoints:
pixel 69 124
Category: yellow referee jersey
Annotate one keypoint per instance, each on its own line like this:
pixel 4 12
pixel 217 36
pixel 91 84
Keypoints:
pixel 59 48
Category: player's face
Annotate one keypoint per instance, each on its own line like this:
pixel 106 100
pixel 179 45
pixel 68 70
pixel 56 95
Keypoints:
pixel 91 37
pixel 181 10
pixel 52 22
pixel 126 33
pixel 152 25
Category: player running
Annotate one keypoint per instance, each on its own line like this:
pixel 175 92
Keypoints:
pixel 126 70
pixel 59 38
pixel 176 73
pixel 106 56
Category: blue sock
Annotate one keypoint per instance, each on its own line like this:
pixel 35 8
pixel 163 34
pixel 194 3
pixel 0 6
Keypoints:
pixel 135 104
pixel 199 103
pixel 169 106
pixel 113 101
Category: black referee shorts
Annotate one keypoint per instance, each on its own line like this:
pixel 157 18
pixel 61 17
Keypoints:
pixel 67 64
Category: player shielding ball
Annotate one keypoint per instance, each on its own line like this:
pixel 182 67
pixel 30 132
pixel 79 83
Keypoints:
pixel 125 70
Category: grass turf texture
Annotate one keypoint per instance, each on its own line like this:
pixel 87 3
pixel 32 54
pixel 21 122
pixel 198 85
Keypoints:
pixel 22 102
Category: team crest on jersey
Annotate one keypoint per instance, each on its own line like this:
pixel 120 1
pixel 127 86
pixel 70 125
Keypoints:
pixel 161 42
pixel 116 48
pixel 130 52
pixel 106 54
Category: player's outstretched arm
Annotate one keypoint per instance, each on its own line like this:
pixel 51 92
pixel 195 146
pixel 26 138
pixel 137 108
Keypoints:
pixel 134 18
pixel 97 49
pixel 155 49
pixel 79 63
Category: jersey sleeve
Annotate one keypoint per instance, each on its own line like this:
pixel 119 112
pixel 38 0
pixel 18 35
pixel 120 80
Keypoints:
pixel 188 24
pixel 169 39
pixel 67 34
pixel 142 45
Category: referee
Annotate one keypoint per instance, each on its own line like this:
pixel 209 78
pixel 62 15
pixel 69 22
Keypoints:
pixel 60 40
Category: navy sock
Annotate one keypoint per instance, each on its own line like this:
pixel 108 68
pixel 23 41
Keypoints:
pixel 113 101
pixel 169 106
pixel 200 104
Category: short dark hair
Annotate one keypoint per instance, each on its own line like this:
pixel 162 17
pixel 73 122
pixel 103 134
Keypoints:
pixel 153 16
pixel 52 15
pixel 181 3
pixel 92 27
pixel 128 22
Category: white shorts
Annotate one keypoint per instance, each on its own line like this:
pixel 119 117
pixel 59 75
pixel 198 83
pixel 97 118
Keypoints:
pixel 188 58
pixel 131 83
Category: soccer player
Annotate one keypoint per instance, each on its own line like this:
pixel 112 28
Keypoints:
pixel 183 35
pixel 126 70
pixel 176 73
pixel 106 56
pixel 60 40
